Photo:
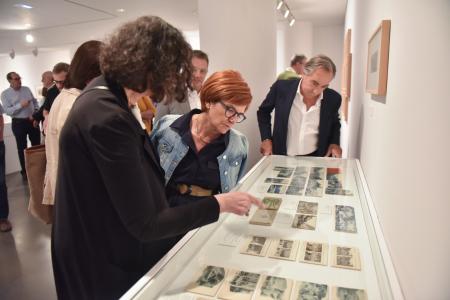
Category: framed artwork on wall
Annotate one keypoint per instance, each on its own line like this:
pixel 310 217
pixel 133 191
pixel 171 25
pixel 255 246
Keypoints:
pixel 377 60
pixel 346 74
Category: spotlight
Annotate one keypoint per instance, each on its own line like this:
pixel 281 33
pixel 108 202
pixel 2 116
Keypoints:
pixel 291 23
pixel 286 13
pixel 280 4
pixel 29 38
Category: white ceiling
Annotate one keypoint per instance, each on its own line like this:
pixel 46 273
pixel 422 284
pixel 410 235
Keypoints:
pixel 58 23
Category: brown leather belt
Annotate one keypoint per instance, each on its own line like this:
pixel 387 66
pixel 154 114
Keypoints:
pixel 193 190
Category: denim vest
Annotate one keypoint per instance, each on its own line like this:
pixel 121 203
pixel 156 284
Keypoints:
pixel 172 150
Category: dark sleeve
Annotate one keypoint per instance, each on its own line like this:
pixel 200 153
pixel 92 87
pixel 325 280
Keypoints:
pixel 265 111
pixel 336 123
pixel 139 198
pixel 51 95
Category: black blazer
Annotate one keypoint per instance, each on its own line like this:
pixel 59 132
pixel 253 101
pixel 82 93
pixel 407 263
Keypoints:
pixel 280 97
pixel 112 219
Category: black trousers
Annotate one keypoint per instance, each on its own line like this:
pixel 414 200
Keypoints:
pixel 4 207
pixel 21 129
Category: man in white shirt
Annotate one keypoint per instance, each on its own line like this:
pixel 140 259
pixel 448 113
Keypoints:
pixel 306 114
pixel 200 64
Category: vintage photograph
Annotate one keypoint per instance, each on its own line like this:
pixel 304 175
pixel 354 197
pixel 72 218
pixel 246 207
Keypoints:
pixel 317 173
pixel 345 219
pixel 338 191
pixel 278 168
pixel 301 171
pixel 274 288
pixel 346 257
pixel 310 291
pixel 285 173
pixel 314 188
pixel 298 181
pixel 239 285
pixel 294 190
pixel 277 180
pixel 255 245
pixel 263 217
pixel 314 253
pixel 209 281
pixel 283 249
pixel 307 222
pixel 277 189
pixel 341 293
pixel 309 208
pixel 272 203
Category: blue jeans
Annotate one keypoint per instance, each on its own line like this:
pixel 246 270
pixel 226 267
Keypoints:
pixel 4 207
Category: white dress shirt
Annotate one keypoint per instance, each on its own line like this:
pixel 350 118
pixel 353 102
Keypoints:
pixel 194 99
pixel 303 126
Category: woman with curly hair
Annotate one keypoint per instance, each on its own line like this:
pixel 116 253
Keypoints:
pixel 112 219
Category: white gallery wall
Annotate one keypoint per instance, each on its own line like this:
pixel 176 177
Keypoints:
pixel 329 40
pixel 403 139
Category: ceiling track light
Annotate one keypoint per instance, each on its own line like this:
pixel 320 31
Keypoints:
pixel 291 23
pixel 280 4
pixel 286 13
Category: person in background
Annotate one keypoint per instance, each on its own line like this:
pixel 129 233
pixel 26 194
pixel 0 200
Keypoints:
pixel 5 225
pixel 148 110
pixel 20 104
pixel 112 218
pixel 47 82
pixel 200 152
pixel 59 77
pixel 200 64
pixel 306 114
pixel 84 67
pixel 296 70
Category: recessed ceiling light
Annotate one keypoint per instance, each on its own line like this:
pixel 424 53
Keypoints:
pixel 29 38
pixel 121 10
pixel 21 5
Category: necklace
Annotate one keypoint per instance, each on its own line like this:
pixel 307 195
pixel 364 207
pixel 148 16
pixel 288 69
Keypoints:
pixel 203 139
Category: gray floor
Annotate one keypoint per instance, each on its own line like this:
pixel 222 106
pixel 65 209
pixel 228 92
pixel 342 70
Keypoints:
pixel 25 262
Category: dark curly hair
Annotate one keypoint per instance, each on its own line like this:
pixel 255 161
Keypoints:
pixel 148 53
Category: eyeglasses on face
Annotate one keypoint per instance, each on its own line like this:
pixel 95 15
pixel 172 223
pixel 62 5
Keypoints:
pixel 230 113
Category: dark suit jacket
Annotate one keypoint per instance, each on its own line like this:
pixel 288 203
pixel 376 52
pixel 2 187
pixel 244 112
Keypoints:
pixel 112 219
pixel 280 97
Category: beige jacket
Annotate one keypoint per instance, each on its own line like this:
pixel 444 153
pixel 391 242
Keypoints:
pixel 56 119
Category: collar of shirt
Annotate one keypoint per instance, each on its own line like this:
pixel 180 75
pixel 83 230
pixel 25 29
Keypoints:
pixel 318 102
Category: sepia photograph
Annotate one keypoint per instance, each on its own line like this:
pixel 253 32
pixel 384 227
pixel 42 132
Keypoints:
pixel 255 245
pixel 346 257
pixel 239 285
pixel 345 219
pixel 263 217
pixel 209 281
pixel 309 208
pixel 314 253
pixel 341 293
pixel 307 222
pixel 274 288
pixel 272 203
pixel 310 291
pixel 283 249
pixel 314 188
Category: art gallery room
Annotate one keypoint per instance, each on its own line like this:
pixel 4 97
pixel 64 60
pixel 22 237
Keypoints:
pixel 361 213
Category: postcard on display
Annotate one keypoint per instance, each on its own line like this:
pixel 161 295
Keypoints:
pixel 309 208
pixel 342 293
pixel 301 171
pixel 278 168
pixel 308 290
pixel 208 281
pixel 255 245
pixel 239 285
pixel 263 217
pixel 277 189
pixel 314 253
pixel 335 178
pixel 298 181
pixel 294 190
pixel 273 287
pixel 338 191
pixel 272 203
pixel 283 249
pixel 285 173
pixel 345 219
pixel 317 173
pixel 307 222
pixel 277 180
pixel 314 188
pixel 345 257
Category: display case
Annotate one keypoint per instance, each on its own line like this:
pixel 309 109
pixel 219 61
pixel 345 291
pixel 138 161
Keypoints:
pixel 317 238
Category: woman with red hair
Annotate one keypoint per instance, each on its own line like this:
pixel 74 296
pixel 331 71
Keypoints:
pixel 200 152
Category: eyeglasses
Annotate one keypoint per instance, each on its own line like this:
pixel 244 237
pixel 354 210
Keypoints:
pixel 59 81
pixel 230 112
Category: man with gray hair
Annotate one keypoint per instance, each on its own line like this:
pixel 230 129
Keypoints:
pixel 306 114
